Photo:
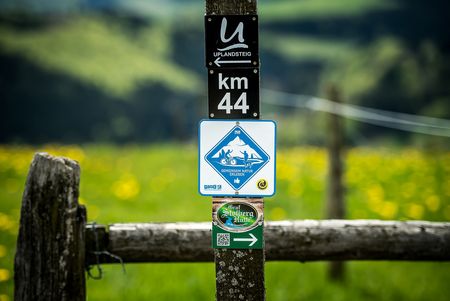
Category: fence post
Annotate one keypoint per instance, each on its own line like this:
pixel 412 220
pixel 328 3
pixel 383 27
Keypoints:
pixel 335 191
pixel 239 272
pixel 50 255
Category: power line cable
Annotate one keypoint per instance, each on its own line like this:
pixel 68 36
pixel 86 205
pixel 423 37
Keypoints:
pixel 400 121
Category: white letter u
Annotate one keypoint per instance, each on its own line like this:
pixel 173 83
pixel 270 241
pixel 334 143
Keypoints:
pixel 239 32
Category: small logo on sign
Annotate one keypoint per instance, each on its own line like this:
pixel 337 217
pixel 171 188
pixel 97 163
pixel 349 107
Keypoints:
pixel 237 216
pixel 262 184
pixel 214 187
pixel 239 32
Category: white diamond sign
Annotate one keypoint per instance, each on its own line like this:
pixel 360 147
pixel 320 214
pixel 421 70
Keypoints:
pixel 237 157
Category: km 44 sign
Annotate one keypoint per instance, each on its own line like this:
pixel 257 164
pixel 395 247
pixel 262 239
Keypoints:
pixel 233 93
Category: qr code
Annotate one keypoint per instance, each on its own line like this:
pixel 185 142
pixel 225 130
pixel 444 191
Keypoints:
pixel 223 239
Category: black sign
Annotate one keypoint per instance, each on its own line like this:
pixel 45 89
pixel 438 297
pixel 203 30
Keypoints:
pixel 231 41
pixel 233 93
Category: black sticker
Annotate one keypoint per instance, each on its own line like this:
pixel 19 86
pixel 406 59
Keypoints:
pixel 233 93
pixel 231 41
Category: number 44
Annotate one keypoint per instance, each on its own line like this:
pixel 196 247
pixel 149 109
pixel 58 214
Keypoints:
pixel 241 103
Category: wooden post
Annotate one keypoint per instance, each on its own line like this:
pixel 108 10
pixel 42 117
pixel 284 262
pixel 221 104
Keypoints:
pixel 335 193
pixel 239 273
pixel 49 262
pixel 231 7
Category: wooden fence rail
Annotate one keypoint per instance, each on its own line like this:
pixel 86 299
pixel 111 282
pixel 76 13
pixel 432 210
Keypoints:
pixel 307 240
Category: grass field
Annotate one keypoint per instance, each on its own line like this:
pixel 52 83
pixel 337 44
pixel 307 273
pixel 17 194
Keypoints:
pixel 158 183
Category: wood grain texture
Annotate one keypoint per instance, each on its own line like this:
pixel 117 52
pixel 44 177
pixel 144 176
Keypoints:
pixel 49 262
pixel 239 274
pixel 358 240
pixel 305 240
pixel 231 7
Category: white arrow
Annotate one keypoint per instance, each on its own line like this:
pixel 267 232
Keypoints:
pixel 253 239
pixel 218 62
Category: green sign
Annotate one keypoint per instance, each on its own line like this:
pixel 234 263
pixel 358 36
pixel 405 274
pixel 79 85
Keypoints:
pixel 237 225
pixel 252 239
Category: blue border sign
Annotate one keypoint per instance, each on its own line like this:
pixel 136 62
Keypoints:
pixel 237 157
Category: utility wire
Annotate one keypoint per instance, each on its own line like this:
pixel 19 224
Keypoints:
pixel 399 121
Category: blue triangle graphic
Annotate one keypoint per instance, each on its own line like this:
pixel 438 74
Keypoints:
pixel 237 157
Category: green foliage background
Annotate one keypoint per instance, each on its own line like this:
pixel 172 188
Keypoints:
pixel 157 184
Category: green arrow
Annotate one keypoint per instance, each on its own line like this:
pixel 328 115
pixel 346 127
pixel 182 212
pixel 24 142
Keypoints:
pixel 253 239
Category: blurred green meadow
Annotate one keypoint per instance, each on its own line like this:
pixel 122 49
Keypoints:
pixel 158 183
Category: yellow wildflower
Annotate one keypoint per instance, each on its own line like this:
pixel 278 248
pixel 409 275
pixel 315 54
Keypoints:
pixel 75 152
pixel 388 210
pixel 375 193
pixel 286 172
pixel 414 211
pixel 126 188
pixel 6 222
pixel 433 202
pixel 4 275
pixel 4 298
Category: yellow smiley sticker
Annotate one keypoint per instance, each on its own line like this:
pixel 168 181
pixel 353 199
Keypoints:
pixel 262 184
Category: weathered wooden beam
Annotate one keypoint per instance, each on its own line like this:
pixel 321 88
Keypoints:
pixel 161 242
pixel 306 240
pixel 358 240
pixel 49 262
